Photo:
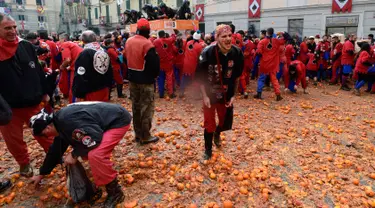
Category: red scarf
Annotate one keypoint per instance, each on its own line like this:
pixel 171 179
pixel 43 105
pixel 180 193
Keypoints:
pixel 8 49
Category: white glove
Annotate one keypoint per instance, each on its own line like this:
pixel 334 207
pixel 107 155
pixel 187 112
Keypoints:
pixel 286 90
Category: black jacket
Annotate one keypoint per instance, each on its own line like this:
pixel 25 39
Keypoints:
pixel 5 112
pixel 22 79
pixel 93 72
pixel 207 72
pixel 82 126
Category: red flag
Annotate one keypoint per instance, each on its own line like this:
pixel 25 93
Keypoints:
pixel 341 6
pixel 254 8
pixel 199 12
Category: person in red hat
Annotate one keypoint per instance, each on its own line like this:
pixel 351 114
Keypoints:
pixel 143 68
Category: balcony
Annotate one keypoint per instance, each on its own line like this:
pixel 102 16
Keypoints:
pixel 105 21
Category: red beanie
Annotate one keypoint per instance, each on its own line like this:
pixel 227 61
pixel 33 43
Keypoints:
pixel 143 24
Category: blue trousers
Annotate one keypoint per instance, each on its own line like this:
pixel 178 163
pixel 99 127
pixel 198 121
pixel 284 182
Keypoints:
pixel 177 75
pixel 161 83
pixel 280 73
pixel 321 73
pixel 291 86
pixel 261 82
pixel 186 81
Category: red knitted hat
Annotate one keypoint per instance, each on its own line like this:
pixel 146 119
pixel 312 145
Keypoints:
pixel 143 24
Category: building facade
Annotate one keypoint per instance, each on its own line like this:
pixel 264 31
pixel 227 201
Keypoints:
pixel 298 17
pixel 33 15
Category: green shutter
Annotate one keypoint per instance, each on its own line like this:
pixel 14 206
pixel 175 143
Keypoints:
pixel 159 1
pixel 127 4
pixel 179 3
pixel 96 13
pixel 107 13
pixel 118 10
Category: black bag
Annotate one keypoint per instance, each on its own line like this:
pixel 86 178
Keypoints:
pixel 228 119
pixel 80 187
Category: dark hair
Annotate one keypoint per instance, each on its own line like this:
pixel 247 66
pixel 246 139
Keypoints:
pixel 371 35
pixel 144 33
pixel 108 41
pixel 270 31
pixel 31 36
pixel 232 27
pixel 108 35
pixel 43 35
pixel 161 34
pixel 241 32
pixel 264 32
pixel 167 35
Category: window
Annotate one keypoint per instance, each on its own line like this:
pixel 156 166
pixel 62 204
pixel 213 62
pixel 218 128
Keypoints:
pixel 295 27
pixel 223 23
pixel 179 3
pixel 96 13
pixel 159 1
pixel 127 4
pixel 107 13
pixel 21 17
pixel 118 10
pixel 42 19
pixel 20 2
pixel 39 2
pixel 254 28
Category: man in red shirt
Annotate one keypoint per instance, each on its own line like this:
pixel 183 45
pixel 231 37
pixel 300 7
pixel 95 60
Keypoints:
pixel 347 61
pixel 164 47
pixel 192 51
pixel 70 52
pixel 115 61
pixel 303 50
pixel 335 59
pixel 269 52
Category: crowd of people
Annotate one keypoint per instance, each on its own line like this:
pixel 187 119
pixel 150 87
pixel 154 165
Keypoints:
pixel 41 69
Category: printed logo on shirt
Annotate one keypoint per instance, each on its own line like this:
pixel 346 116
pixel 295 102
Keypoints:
pixel 230 63
pixel 87 141
pixel 229 73
pixel 32 64
pixel 78 134
pixel 101 62
pixel 81 70
pixel 190 47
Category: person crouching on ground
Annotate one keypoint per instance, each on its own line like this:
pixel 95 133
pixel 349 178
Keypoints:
pixel 363 68
pixel 295 74
pixel 220 66
pixel 93 129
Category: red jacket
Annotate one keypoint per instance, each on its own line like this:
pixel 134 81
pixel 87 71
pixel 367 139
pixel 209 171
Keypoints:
pixel 72 51
pixel 113 55
pixel 164 47
pixel 347 57
pixel 192 51
pixel 180 55
pixel 372 54
pixel 249 54
pixel 363 61
pixel 237 40
pixel 301 74
pixel 303 52
pixel 54 50
pixel 282 54
pixel 289 53
pixel 312 64
pixel 337 52
pixel 269 62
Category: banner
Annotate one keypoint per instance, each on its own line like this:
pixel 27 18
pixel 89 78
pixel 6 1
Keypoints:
pixel 199 12
pixel 254 8
pixel 40 9
pixel 342 6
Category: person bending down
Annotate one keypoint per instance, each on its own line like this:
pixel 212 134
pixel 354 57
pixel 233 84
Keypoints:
pixel 93 129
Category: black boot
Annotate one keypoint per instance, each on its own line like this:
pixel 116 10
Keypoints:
pixel 4 185
pixel 119 91
pixel 258 95
pixel 217 140
pixel 278 97
pixel 208 145
pixel 115 194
